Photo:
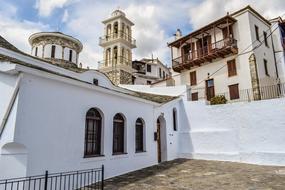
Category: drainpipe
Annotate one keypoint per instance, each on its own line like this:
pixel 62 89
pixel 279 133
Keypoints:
pixel 10 105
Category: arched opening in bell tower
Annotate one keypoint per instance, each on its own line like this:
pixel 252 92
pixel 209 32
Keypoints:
pixel 128 57
pixel 108 31
pixel 116 29
pixel 123 31
pixel 115 54
pixel 108 57
pixel 122 55
pixel 128 33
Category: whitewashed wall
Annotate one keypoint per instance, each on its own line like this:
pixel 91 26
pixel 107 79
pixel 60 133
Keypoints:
pixel 263 52
pixel 243 132
pixel 280 56
pixel 10 151
pixel 51 125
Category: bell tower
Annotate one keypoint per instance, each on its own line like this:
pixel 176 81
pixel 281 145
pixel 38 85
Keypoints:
pixel 118 44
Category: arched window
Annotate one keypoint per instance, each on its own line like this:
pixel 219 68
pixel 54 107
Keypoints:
pixel 174 113
pixel 118 134
pixel 52 51
pixel 36 51
pixel 93 130
pixel 139 135
pixel 70 55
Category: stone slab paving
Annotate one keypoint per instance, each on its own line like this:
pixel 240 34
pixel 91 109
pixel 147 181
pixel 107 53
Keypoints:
pixel 185 174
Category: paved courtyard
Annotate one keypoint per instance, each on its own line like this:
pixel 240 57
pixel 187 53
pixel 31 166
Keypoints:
pixel 201 175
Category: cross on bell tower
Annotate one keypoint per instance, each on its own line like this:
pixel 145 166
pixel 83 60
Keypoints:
pixel 118 44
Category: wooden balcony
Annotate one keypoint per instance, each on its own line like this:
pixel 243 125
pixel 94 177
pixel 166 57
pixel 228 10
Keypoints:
pixel 197 57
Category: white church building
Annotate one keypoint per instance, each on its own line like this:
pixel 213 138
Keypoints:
pixel 57 116
pixel 60 118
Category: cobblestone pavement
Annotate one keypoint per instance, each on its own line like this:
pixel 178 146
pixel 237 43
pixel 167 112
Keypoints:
pixel 201 175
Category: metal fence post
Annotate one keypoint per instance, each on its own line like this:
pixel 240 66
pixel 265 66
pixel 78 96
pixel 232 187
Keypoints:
pixel 248 97
pixel 102 183
pixel 46 180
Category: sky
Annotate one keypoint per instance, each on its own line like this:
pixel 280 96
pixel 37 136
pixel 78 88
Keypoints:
pixel 155 21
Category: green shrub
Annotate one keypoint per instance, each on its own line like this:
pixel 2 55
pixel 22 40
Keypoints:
pixel 220 99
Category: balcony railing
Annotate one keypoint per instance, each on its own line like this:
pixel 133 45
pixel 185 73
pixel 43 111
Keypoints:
pixel 205 54
pixel 115 36
pixel 243 95
pixel 113 62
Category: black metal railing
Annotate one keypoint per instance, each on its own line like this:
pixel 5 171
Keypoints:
pixel 244 95
pixel 205 51
pixel 82 179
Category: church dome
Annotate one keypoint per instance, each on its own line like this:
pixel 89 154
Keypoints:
pixel 56 47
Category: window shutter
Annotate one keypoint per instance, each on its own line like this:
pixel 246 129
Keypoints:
pixel 234 91
pixel 232 68
pixel 193 78
pixel 194 96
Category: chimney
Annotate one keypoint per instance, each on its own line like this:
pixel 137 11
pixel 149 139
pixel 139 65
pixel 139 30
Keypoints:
pixel 178 34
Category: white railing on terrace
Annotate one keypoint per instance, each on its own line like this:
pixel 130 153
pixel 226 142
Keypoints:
pixel 115 36
pixel 120 60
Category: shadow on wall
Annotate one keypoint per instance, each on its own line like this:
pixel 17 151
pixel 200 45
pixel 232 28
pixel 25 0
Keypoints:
pixel 242 132
pixel 162 139
pixel 185 145
pixel 13 160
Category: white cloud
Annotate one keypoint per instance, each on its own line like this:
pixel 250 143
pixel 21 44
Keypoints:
pixel 65 16
pixel 15 31
pixel 147 31
pixel 209 10
pixel 149 18
pixel 46 7
pixel 7 9
pixel 155 21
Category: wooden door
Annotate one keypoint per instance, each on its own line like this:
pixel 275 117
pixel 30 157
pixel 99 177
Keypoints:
pixel 205 46
pixel 210 89
pixel 209 41
pixel 185 52
pixel 158 142
pixel 199 48
pixel 192 51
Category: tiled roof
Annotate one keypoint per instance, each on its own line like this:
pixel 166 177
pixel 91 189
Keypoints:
pixel 5 44
pixel 154 97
